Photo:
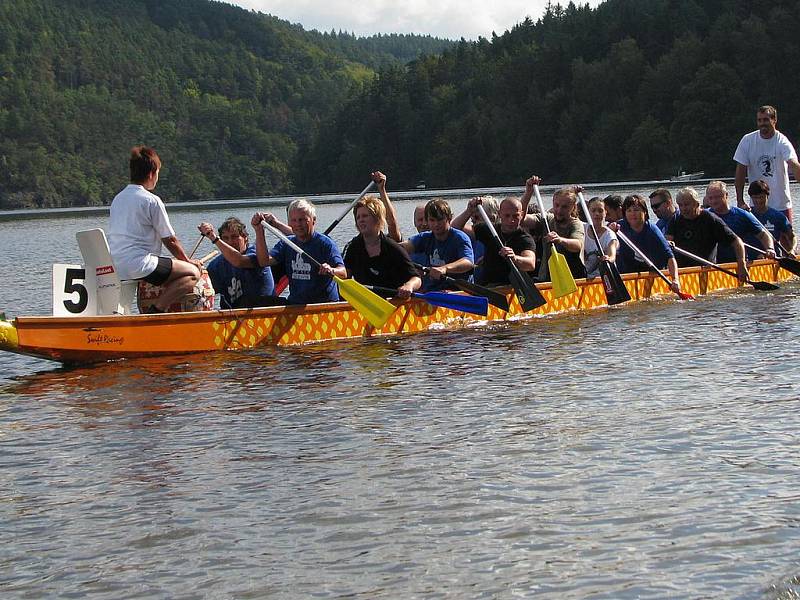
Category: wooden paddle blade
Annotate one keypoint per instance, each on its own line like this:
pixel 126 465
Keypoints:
pixel 374 309
pixel 616 292
pixel 560 275
pixel 764 286
pixel 528 294
pixel 790 264
pixel 684 296
pixel 472 304
pixel 494 298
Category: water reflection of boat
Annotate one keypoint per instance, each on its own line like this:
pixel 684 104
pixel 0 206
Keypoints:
pixel 684 176
pixel 95 339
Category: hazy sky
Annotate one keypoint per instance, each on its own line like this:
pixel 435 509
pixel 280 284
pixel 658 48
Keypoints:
pixel 444 18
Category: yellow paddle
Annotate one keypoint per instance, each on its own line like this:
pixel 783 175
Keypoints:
pixel 560 275
pixel 375 309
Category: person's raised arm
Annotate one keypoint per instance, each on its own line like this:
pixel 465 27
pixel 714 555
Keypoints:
pixel 528 194
pixel 461 221
pixel 262 253
pixel 392 227
pixel 277 224
pixel 231 254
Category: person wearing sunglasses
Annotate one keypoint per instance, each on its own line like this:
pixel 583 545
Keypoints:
pixel 664 208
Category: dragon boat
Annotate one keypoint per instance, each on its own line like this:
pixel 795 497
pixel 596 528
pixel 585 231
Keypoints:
pixel 90 339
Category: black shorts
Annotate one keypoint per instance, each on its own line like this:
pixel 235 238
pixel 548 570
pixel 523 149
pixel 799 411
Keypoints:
pixel 161 274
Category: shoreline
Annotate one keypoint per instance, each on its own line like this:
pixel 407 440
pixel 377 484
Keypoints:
pixel 319 199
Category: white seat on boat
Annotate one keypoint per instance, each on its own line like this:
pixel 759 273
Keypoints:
pixel 114 297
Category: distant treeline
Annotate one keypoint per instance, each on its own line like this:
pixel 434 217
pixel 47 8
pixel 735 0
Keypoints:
pixel 242 104
pixel 226 96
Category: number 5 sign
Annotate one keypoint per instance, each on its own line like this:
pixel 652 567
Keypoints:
pixel 74 291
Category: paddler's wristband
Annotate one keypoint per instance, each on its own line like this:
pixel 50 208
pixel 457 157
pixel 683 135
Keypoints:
pixel 215 240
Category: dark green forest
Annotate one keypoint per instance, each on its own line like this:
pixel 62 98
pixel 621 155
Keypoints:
pixel 240 104
pixel 225 95
pixel 633 89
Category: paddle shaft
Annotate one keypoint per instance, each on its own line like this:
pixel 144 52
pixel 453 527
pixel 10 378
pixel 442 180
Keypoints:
pixel 527 293
pixel 209 256
pixel 781 246
pixel 459 302
pixel 495 298
pixel 420 295
pixel 284 281
pixel 615 289
pixel 759 250
pixel 759 285
pixel 541 207
pixel 197 245
pixel 778 244
pixel 649 262
pixel 589 221
pixel 626 239
pixel 496 236
pixel 560 273
pixel 373 308
pixel 786 262
pixel 363 193
pixel 707 263
pixel 277 233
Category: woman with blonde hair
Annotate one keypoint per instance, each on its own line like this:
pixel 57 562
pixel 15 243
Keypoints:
pixel 372 258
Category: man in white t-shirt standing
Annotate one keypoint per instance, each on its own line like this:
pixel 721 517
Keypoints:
pixel 765 154
pixel 139 225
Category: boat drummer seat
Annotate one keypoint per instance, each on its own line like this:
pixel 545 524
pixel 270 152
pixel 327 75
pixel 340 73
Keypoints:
pixel 114 297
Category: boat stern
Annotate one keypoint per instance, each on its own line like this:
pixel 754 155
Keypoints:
pixel 9 340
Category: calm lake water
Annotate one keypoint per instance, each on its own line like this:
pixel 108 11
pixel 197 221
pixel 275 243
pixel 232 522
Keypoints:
pixel 644 451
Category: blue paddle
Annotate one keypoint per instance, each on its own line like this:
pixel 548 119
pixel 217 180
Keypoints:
pixel 459 302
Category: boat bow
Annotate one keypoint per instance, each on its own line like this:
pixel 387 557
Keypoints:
pixel 9 340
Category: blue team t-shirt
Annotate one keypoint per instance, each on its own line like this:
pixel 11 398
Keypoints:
pixel 306 285
pixel 775 222
pixel 435 253
pixel 662 223
pixel 650 241
pixel 746 226
pixel 244 286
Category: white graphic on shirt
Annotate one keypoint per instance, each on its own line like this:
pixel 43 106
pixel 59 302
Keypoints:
pixel 766 163
pixel 235 290
pixel 436 260
pixel 300 268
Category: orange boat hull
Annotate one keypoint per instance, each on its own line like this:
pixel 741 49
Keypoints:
pixel 96 339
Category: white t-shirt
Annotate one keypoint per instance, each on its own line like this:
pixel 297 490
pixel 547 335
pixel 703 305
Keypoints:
pixel 592 261
pixel 766 159
pixel 136 226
